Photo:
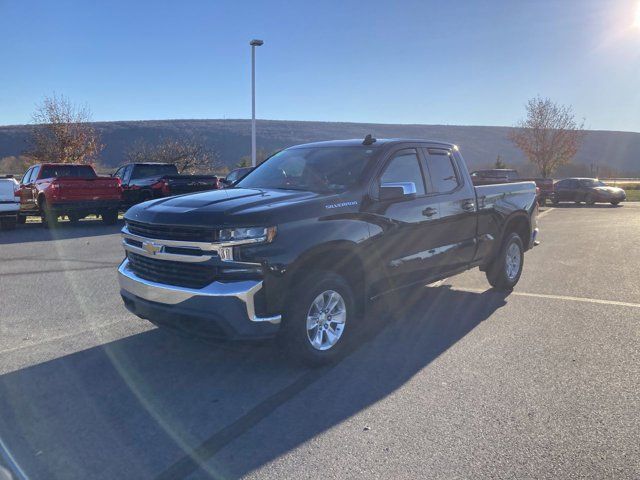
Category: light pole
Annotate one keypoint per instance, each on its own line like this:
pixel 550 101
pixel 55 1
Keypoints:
pixel 254 43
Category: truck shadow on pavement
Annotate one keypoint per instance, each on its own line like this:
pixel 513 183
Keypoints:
pixel 157 405
pixel 34 232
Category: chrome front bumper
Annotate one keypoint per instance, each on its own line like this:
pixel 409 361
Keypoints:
pixel 243 291
pixel 534 238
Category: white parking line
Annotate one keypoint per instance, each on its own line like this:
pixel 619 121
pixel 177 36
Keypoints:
pixel 558 297
pixel 540 215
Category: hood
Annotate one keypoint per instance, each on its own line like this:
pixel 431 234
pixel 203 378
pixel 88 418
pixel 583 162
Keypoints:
pixel 230 207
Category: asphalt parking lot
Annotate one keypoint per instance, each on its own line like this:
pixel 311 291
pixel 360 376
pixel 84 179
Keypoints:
pixel 457 382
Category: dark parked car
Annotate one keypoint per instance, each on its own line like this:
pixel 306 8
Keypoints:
pixel 588 190
pixel 235 175
pixel 301 244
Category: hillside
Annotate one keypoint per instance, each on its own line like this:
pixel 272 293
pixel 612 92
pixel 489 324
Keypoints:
pixel 231 138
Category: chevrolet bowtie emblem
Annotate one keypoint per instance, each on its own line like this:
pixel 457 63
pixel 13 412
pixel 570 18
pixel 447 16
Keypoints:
pixel 151 248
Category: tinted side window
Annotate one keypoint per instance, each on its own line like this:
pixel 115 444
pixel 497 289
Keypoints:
pixel 442 172
pixel 404 167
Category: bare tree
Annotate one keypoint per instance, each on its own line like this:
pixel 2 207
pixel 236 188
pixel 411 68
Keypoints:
pixel 549 136
pixel 187 154
pixel 62 133
pixel 499 163
pixel 261 156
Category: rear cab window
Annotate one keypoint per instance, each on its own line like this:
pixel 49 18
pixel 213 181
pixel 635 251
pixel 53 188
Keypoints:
pixel 74 171
pixel 442 170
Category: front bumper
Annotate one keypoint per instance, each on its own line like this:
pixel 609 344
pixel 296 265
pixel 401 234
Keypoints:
pixel 534 242
pixel 220 310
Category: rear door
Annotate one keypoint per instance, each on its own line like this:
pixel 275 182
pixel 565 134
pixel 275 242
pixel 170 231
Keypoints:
pixel 457 225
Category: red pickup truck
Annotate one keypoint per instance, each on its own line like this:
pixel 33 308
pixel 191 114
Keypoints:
pixel 52 190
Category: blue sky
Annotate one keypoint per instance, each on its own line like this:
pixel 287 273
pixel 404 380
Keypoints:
pixel 444 62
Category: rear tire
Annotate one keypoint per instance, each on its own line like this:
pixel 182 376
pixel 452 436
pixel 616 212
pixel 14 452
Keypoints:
pixel 110 217
pixel 8 223
pixel 321 319
pixel 505 271
pixel 74 217
pixel 22 219
pixel 48 217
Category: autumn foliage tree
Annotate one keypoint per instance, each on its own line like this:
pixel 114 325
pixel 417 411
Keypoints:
pixel 549 136
pixel 62 133
pixel 189 155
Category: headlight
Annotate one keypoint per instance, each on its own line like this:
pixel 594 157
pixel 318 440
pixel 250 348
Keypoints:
pixel 255 234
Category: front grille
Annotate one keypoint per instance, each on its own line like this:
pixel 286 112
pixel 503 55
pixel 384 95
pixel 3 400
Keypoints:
pixel 172 232
pixel 180 274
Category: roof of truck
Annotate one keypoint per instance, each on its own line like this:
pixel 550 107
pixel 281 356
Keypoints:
pixel 354 142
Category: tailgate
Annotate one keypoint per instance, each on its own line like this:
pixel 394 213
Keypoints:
pixel 101 188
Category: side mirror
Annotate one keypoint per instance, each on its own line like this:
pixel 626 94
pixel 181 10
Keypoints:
pixel 397 191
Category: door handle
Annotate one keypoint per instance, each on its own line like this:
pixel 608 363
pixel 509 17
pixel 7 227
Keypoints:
pixel 429 212
pixel 468 205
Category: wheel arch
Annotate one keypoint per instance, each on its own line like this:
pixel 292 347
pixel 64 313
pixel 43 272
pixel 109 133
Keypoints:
pixel 520 223
pixel 341 257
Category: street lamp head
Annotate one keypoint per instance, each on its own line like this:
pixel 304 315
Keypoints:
pixel 256 43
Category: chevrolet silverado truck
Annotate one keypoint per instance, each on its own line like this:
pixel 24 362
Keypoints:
pixel 52 190
pixel 300 245
pixel 9 202
pixel 146 181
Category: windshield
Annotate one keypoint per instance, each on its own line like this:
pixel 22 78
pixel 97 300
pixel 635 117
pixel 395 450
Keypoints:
pixel 58 171
pixel 144 171
pixel 592 183
pixel 316 169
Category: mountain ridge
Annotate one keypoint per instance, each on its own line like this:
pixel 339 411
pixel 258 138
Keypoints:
pixel 231 138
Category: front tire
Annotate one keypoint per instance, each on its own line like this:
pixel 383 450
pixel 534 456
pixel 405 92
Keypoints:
pixel 320 320
pixel 615 202
pixel 504 272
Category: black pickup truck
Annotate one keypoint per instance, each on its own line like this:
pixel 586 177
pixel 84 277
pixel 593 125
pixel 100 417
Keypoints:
pixel 146 181
pixel 301 244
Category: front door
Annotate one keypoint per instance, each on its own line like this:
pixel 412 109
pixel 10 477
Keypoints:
pixel 28 190
pixel 402 242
